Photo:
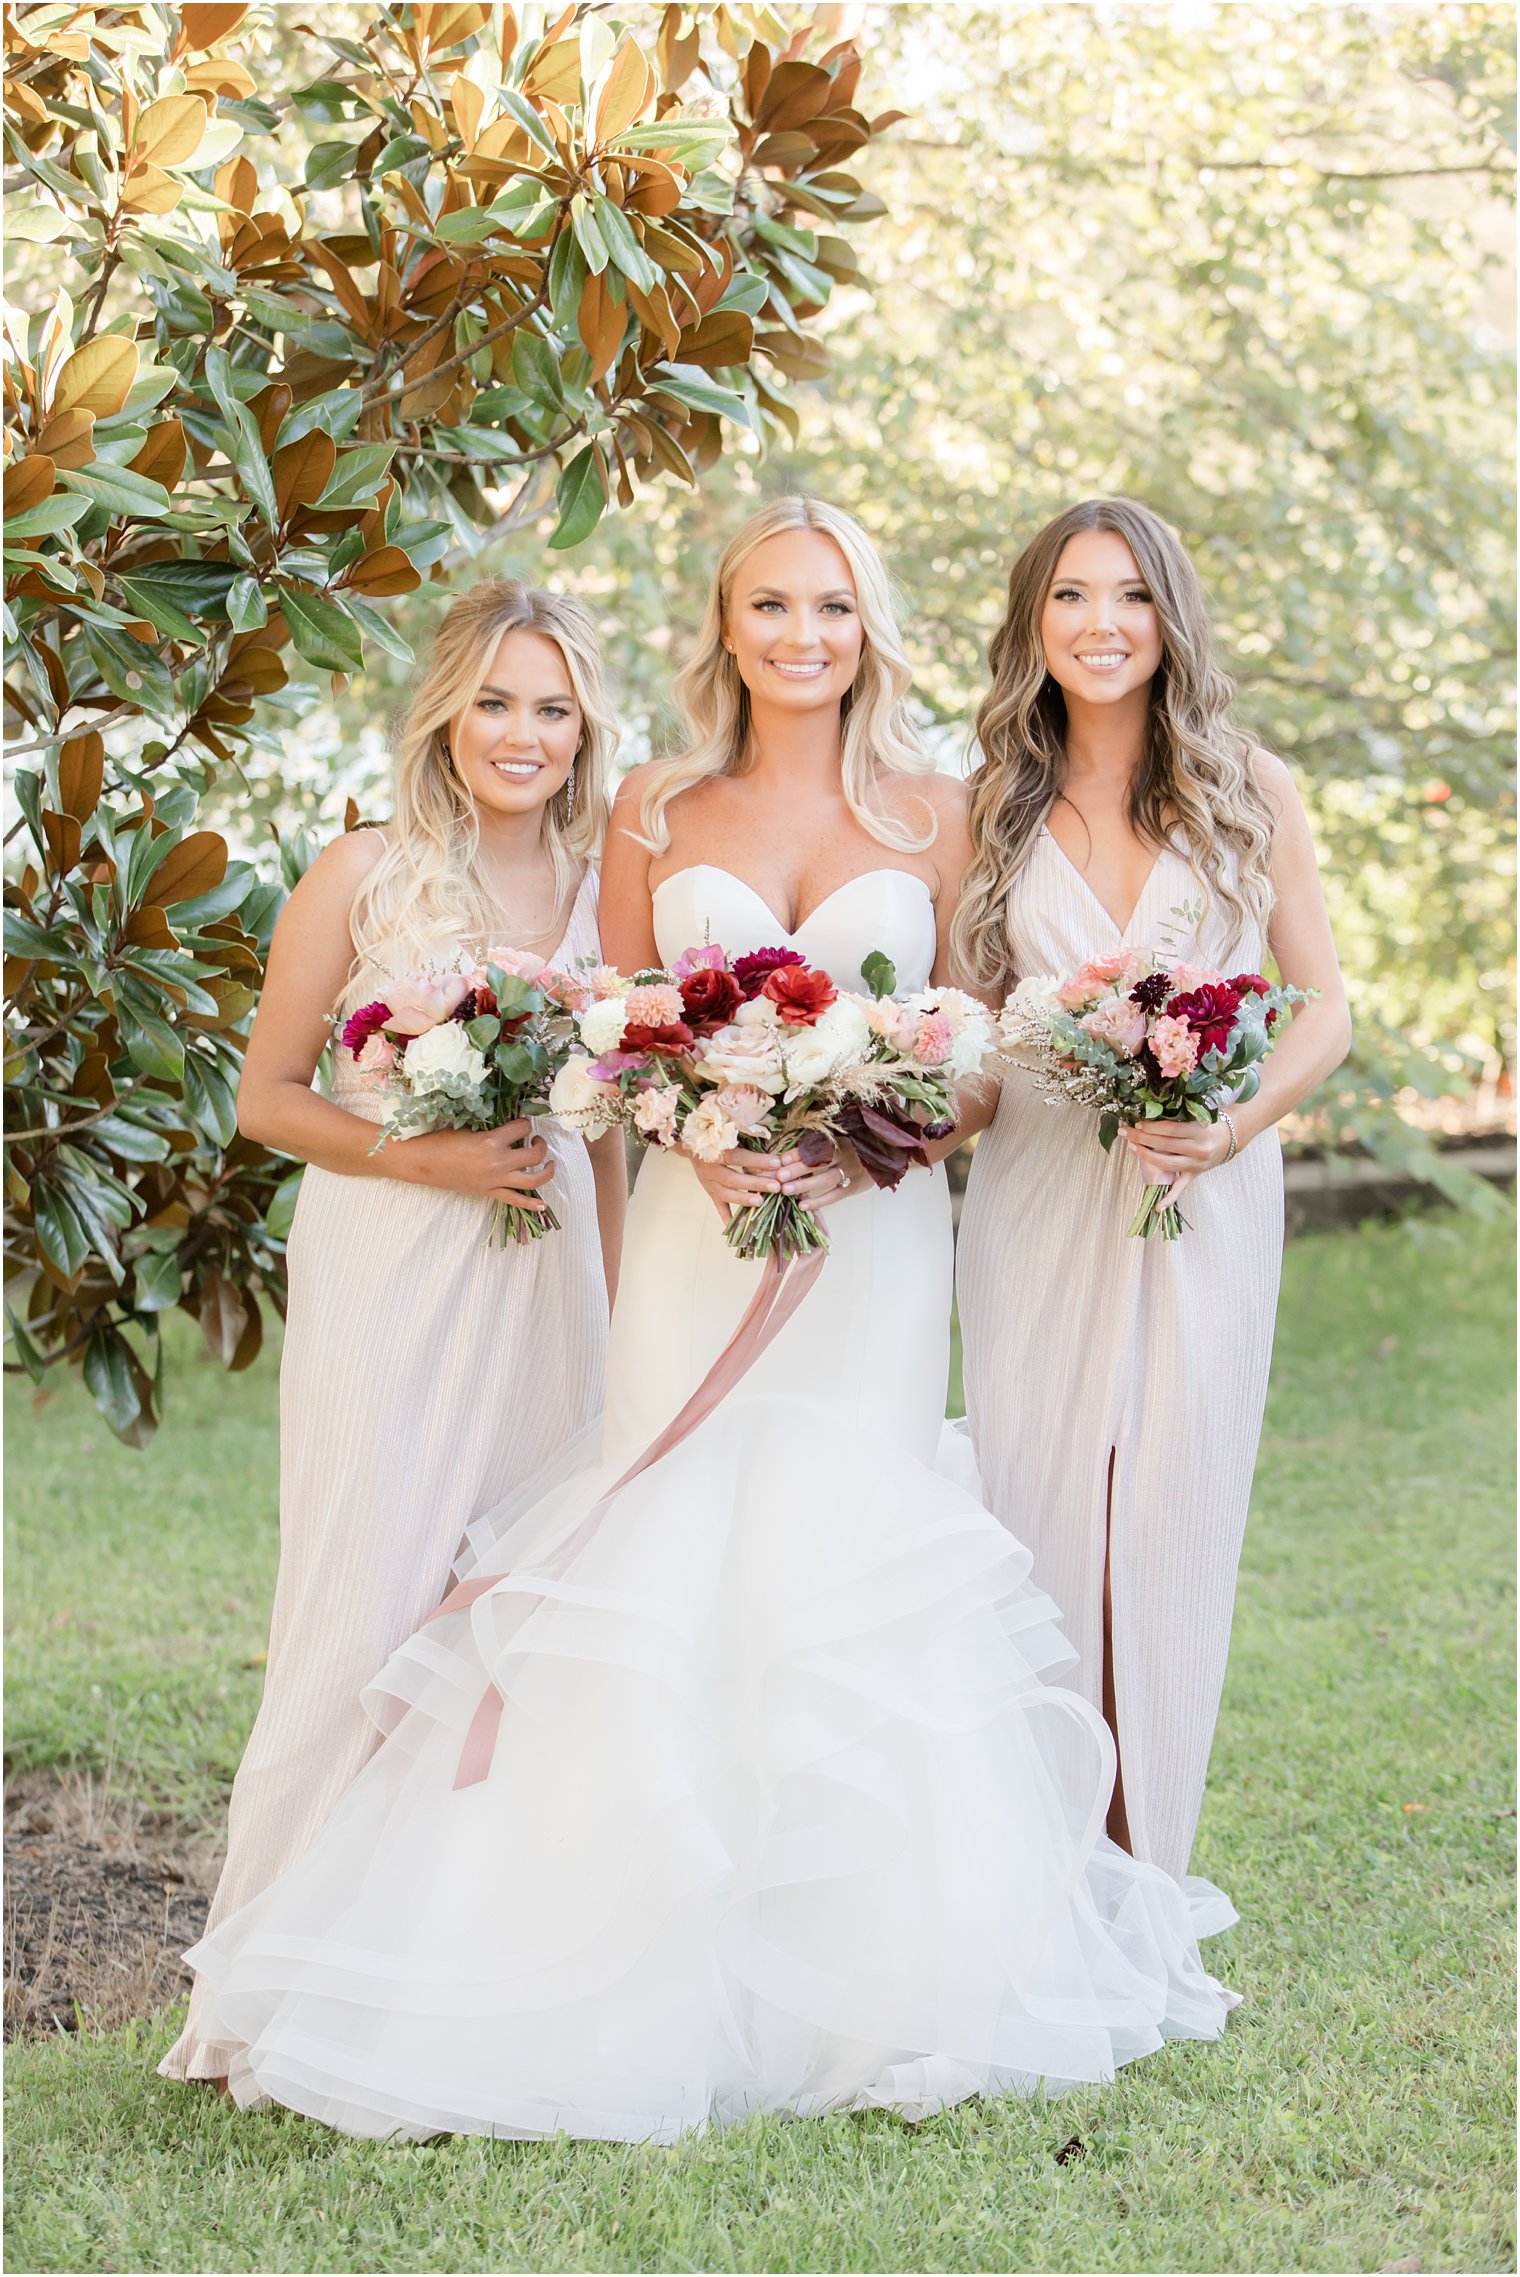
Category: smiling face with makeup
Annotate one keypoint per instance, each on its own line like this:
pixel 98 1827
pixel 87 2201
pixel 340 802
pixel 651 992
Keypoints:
pixel 792 623
pixel 1099 626
pixel 514 746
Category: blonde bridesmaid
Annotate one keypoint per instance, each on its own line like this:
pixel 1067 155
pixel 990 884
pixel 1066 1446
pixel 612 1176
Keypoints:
pixel 1115 1387
pixel 426 1374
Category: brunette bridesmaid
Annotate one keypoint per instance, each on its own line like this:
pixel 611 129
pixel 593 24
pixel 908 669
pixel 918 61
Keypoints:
pixel 1115 1386
pixel 426 1373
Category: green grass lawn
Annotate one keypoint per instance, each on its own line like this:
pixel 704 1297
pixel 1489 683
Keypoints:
pixel 1360 1812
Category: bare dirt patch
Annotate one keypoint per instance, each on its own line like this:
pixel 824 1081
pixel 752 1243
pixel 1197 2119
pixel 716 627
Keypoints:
pixel 101 1898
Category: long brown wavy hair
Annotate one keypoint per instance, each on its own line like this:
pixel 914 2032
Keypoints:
pixel 1194 773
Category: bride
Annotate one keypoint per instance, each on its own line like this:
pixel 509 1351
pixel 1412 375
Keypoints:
pixel 779 1813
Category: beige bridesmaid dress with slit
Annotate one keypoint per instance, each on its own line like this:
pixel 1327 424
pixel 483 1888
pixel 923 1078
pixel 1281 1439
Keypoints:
pixel 1115 1387
pixel 425 1376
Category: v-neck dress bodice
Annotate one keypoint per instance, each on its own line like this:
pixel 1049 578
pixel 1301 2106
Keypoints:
pixel 1115 1387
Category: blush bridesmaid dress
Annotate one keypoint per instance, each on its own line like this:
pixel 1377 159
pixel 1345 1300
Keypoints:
pixel 425 1375
pixel 1115 1387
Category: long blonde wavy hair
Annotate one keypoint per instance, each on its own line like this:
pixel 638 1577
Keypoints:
pixel 878 734
pixel 427 892
pixel 1194 773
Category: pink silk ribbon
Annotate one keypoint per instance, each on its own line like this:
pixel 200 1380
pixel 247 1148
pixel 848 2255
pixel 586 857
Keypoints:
pixel 784 1282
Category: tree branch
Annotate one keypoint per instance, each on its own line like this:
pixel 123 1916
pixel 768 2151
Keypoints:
pixel 375 390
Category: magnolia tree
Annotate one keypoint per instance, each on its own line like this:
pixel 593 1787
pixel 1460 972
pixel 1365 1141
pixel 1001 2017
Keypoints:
pixel 295 345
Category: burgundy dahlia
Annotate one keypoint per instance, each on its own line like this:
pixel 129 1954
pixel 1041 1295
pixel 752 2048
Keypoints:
pixel 753 971
pixel 1210 1012
pixel 361 1025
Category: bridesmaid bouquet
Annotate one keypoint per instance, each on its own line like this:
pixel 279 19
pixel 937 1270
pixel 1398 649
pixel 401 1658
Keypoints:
pixel 469 1050
pixel 1142 1034
pixel 766 1052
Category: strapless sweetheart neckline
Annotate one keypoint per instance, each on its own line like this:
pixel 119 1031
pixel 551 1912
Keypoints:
pixel 794 933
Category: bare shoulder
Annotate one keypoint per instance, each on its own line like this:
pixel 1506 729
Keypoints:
pixel 947 795
pixel 625 799
pixel 343 865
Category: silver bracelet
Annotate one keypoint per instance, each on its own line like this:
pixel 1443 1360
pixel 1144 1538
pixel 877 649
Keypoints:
pixel 1228 1121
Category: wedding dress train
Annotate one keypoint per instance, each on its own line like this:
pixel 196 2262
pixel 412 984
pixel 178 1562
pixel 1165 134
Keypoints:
pixel 778 1812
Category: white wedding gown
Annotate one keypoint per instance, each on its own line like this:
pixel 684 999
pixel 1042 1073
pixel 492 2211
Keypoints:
pixel 781 1815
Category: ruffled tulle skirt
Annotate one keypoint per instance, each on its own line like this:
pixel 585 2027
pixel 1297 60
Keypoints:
pixel 782 1815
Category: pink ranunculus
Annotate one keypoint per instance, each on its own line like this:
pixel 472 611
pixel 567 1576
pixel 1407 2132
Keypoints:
pixel 1175 1046
pixel 655 1005
pixel 935 1040
pixel 520 962
pixel 1117 1023
pixel 422 1001
pixel 709 959
pixel 377 1057
pixel 892 1021
pixel 746 1106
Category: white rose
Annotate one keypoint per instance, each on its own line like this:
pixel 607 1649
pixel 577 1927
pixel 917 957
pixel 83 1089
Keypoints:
pixel 443 1059
pixel 837 1036
pixel 581 1101
pixel 759 1012
pixel 709 1134
pixel 748 1056
pixel 602 1025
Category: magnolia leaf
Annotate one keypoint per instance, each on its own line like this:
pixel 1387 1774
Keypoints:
pixel 98 377
pixel 168 132
pixel 323 632
pixel 129 669
pixel 118 489
pixel 581 496
pixel 601 322
pixel 81 774
pixel 246 609
pixel 280 1214
pixel 151 190
pixel 686 384
pixel 59 512
pixel 528 119
pixel 386 570
pixel 302 471
pixel 27 483
pixel 626 92
pixel 195 866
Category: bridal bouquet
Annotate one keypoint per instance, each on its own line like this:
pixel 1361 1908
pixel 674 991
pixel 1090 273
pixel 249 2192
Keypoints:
pixel 469 1050
pixel 765 1052
pixel 1141 1034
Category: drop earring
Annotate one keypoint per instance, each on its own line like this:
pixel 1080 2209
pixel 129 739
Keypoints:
pixel 570 792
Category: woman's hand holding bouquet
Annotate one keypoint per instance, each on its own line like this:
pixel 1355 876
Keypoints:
pixel 1150 1042
pixel 475 1050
